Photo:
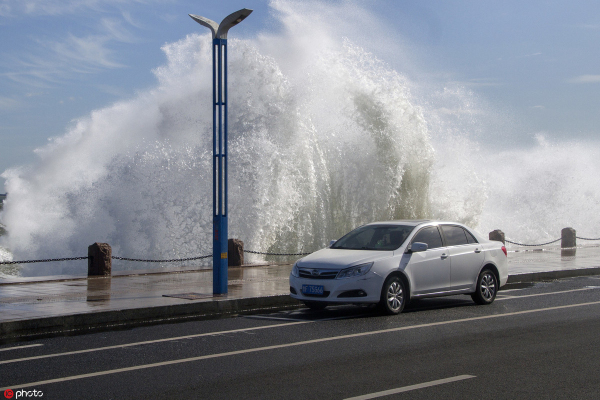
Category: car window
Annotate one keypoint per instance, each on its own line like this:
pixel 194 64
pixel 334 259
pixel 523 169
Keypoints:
pixel 430 236
pixel 470 237
pixel 455 235
pixel 374 237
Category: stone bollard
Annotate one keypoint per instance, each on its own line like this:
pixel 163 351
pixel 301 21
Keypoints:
pixel 497 235
pixel 235 253
pixel 568 241
pixel 100 259
pixel 568 238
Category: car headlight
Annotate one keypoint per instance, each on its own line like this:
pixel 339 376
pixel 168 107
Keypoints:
pixel 352 272
pixel 295 270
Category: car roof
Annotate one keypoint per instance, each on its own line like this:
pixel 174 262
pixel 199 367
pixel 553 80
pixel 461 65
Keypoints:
pixel 415 222
pixel 409 222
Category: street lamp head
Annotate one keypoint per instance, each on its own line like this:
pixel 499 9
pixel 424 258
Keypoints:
pixel 219 31
pixel 209 23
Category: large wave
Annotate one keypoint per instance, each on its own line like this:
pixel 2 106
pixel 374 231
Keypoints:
pixel 323 137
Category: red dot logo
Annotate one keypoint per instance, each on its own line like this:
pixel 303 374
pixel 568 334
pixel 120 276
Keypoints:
pixel 8 394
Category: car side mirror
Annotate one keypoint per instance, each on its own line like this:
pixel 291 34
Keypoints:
pixel 417 247
pixel 332 242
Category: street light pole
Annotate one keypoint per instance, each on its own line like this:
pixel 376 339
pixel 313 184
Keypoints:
pixel 220 99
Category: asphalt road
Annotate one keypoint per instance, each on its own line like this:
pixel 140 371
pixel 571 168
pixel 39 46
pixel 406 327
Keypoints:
pixel 538 342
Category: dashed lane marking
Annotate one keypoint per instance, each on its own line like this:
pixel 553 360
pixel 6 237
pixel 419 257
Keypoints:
pixel 21 347
pixel 412 387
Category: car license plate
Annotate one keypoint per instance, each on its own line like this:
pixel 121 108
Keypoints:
pixel 312 289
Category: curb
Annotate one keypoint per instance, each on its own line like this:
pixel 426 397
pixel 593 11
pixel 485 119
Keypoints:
pixel 133 317
pixel 552 275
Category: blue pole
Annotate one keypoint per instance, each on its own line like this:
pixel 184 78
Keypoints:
pixel 220 233
pixel 219 34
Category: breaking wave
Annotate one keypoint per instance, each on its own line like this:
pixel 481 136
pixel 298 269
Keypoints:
pixel 323 137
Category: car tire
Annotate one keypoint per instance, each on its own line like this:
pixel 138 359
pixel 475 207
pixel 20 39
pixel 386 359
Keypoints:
pixel 393 296
pixel 315 305
pixel 487 287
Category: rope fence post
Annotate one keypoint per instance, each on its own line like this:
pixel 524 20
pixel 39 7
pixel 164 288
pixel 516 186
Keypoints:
pixel 235 250
pixel 568 242
pixel 99 259
pixel 497 235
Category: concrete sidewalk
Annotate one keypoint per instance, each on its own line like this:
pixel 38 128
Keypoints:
pixel 30 307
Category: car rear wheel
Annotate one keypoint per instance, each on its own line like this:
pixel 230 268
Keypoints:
pixel 393 296
pixel 487 287
pixel 315 305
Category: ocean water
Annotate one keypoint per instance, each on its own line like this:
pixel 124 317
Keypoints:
pixel 323 137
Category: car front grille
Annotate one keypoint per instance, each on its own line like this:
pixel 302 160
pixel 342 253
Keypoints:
pixel 314 273
pixel 325 294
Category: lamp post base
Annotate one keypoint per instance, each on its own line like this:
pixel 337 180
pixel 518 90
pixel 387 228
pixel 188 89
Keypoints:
pixel 220 248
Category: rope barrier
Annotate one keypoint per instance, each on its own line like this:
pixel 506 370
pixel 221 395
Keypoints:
pixel 143 260
pixel 532 245
pixel 47 260
pixel 276 254
pixel 245 251
pixel 171 260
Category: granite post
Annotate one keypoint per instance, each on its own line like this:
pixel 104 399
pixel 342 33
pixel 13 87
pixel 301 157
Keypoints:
pixel 568 241
pixel 99 259
pixel 497 235
pixel 235 253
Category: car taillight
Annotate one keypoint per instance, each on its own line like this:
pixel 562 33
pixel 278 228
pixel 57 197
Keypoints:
pixel 504 250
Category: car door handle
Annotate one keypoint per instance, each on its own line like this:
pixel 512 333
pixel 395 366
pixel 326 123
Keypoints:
pixel 477 251
pixel 444 256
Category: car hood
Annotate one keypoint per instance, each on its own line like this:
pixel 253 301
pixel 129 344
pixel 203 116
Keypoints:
pixel 341 258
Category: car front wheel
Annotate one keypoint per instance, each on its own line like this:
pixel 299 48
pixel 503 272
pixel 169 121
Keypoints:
pixel 487 287
pixel 393 296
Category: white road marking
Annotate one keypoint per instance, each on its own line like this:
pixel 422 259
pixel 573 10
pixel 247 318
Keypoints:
pixel 267 317
pixel 346 317
pixel 270 318
pixel 294 344
pixel 118 346
pixel 546 294
pixel 21 347
pixel 411 387
pixel 509 290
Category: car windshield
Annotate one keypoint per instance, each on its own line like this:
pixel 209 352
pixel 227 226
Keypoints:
pixel 374 237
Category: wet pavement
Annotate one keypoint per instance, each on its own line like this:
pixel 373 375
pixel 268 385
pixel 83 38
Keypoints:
pixel 27 298
pixel 52 302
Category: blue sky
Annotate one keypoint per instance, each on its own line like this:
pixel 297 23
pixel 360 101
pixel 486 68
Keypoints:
pixel 535 63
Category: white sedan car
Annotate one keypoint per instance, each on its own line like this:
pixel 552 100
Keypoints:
pixel 390 263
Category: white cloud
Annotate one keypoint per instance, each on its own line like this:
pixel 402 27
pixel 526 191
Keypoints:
pixel 593 27
pixel 60 7
pixel 477 82
pixel 533 54
pixel 585 79
pixel 84 53
pixel 539 107
pixel 55 60
pixel 458 111
pixel 6 103
pixel 4 10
